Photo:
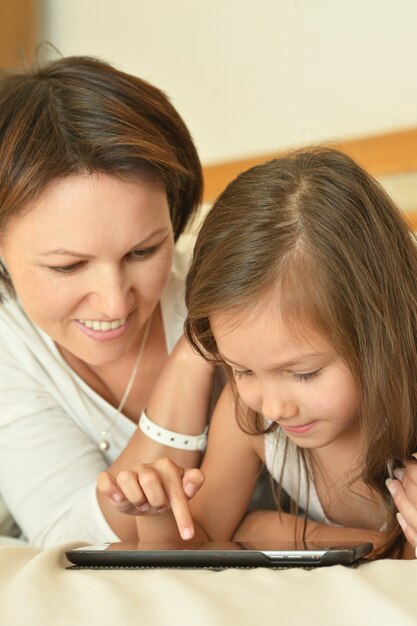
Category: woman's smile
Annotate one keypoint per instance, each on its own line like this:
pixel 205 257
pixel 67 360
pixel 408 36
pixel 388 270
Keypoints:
pixel 105 325
pixel 106 330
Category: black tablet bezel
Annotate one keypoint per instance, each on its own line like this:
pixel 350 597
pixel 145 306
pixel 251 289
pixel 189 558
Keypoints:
pixel 215 555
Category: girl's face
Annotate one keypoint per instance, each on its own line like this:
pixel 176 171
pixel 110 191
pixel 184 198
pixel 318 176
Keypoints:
pixel 89 261
pixel 293 378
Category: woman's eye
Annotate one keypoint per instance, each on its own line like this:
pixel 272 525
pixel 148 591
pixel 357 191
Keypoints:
pixel 305 376
pixel 241 373
pixel 66 269
pixel 143 253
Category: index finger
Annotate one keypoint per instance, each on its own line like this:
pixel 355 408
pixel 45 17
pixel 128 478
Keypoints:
pixel 180 507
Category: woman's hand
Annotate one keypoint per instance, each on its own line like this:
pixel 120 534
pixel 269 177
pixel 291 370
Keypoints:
pixel 403 489
pixel 152 489
pixel 180 402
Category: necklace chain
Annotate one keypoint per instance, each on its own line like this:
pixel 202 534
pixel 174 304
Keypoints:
pixel 104 444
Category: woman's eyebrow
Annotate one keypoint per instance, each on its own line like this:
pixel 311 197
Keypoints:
pixel 66 252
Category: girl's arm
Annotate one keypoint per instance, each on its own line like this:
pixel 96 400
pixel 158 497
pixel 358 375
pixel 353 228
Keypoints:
pixel 278 526
pixel 231 467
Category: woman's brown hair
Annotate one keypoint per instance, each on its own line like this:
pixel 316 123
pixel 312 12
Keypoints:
pixel 320 228
pixel 80 115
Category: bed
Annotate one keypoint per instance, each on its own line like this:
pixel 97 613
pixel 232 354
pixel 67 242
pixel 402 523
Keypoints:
pixel 36 589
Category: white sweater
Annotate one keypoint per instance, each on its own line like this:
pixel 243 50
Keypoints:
pixel 50 423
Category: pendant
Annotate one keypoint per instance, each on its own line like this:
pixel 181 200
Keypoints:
pixel 103 444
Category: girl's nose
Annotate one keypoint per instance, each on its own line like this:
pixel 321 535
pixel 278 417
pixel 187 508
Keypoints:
pixel 277 404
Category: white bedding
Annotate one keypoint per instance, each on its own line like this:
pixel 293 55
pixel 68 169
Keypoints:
pixel 37 590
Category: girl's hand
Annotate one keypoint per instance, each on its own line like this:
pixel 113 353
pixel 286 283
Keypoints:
pixel 404 492
pixel 152 489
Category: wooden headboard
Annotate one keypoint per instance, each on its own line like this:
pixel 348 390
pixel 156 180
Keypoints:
pixel 390 153
pixel 18 31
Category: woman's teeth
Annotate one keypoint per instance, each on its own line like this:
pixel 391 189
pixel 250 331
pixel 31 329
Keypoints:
pixel 103 326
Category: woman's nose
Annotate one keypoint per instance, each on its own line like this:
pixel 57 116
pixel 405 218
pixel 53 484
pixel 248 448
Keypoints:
pixel 111 294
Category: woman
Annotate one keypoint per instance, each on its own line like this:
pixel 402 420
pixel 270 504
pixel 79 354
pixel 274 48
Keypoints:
pixel 98 178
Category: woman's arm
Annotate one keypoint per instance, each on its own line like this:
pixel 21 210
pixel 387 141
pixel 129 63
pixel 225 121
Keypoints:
pixel 231 467
pixel 180 402
pixel 49 464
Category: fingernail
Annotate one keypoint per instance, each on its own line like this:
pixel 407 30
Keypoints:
pixel 162 509
pixel 187 533
pixel 117 497
pixel 401 521
pixel 190 489
pixel 144 507
pixel 391 486
pixel 399 473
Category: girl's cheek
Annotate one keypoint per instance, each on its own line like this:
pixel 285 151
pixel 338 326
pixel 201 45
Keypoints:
pixel 250 399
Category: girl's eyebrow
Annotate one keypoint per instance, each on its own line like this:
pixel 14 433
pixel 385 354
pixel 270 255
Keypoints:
pixel 285 364
pixel 229 362
pixel 66 252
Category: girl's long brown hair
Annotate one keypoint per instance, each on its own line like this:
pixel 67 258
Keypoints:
pixel 80 115
pixel 316 224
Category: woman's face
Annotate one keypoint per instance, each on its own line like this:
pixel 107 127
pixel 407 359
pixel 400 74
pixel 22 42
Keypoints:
pixel 89 261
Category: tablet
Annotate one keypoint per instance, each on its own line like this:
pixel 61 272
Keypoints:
pixel 217 555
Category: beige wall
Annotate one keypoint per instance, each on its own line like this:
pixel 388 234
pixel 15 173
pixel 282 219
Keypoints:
pixel 255 76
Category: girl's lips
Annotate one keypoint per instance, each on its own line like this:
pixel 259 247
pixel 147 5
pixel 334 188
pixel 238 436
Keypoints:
pixel 104 335
pixel 299 430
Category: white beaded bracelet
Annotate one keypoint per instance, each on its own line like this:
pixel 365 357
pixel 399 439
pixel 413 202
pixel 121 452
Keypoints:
pixel 171 438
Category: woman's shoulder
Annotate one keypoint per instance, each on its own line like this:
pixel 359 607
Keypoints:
pixel 172 298
pixel 13 320
pixel 182 255
pixel 19 337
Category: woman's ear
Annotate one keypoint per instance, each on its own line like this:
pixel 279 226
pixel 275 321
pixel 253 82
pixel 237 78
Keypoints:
pixel 3 267
pixel 2 237
pixel 2 247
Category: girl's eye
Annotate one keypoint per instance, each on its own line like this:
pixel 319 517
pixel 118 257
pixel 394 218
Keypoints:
pixel 305 376
pixel 67 269
pixel 241 373
pixel 143 253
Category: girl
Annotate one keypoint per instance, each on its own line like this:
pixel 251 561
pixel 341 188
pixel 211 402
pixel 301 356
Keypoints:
pixel 98 179
pixel 303 285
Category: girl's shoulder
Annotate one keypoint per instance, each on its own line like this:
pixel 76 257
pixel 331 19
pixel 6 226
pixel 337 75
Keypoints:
pixel 282 457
